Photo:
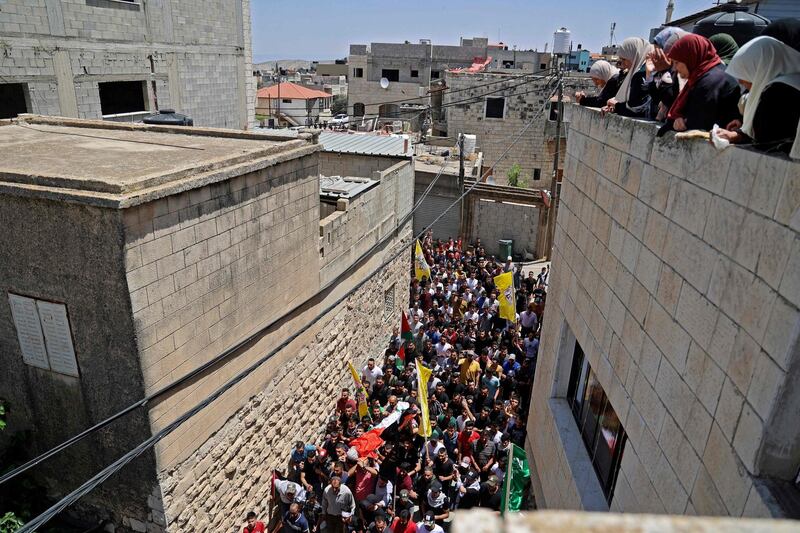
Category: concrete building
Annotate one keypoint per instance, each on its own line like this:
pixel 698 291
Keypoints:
pixel 496 118
pixel 579 60
pixel 335 68
pixel 149 252
pixel 292 104
pixel 411 67
pixel 666 379
pixel 122 59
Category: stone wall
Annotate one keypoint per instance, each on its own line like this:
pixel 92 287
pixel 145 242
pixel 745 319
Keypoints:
pixel 198 57
pixel 230 473
pixel 359 165
pixel 347 234
pixel 524 103
pixel 676 269
pixel 492 221
pixel 209 266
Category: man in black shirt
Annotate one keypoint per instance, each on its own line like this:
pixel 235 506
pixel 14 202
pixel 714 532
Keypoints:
pixel 490 495
pixel 445 472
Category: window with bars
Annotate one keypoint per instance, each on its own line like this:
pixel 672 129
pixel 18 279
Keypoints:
pixel 388 301
pixel 600 427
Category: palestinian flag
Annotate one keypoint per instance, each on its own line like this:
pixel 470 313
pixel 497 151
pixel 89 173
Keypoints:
pixel 400 361
pixel 405 328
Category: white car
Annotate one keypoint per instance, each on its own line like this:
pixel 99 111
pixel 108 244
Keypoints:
pixel 339 119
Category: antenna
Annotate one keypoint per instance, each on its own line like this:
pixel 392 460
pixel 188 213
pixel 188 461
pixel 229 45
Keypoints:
pixel 611 37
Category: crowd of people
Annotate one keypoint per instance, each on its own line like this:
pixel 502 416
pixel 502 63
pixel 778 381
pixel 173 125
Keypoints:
pixel 686 81
pixel 482 369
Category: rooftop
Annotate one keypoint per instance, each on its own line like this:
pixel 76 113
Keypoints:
pixel 114 164
pixel 366 144
pixel 292 91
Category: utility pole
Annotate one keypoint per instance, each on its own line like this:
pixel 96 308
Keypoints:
pixel 551 216
pixel 461 184
pixel 278 71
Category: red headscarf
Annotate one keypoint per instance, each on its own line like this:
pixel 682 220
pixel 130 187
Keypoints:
pixel 700 56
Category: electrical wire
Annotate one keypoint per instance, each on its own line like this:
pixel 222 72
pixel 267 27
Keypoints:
pixel 213 362
pixel 114 467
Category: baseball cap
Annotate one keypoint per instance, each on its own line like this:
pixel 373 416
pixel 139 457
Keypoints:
pixel 404 494
pixel 430 518
pixel 512 357
pixel 492 481
pixel 436 486
pixel 291 489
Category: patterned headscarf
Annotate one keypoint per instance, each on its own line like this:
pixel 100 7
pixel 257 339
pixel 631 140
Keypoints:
pixel 667 37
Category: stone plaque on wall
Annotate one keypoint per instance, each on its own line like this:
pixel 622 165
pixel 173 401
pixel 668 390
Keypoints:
pixel 44 334
pixel 29 330
pixel 57 335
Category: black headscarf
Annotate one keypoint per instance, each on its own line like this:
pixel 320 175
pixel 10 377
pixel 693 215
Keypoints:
pixel 786 31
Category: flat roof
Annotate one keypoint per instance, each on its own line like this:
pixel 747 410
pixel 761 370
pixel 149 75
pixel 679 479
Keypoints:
pixel 344 186
pixel 106 161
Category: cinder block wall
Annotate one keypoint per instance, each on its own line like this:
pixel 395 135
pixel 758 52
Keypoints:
pixel 677 269
pixel 198 54
pixel 493 221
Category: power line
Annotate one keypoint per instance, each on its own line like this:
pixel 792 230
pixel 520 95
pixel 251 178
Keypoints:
pixel 114 467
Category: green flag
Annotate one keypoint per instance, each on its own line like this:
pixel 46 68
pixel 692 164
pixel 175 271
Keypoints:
pixel 517 474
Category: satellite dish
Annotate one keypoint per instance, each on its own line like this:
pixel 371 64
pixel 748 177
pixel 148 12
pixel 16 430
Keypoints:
pixel 384 83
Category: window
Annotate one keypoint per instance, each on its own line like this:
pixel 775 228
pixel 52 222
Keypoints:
pixel 358 109
pixel 358 72
pixel 495 107
pixel 391 74
pixel 13 99
pixel 600 427
pixel 286 100
pixel 415 74
pixel 388 301
pixel 554 110
pixel 537 174
pixel 129 5
pixel 122 97
pixel 508 63
pixel 435 74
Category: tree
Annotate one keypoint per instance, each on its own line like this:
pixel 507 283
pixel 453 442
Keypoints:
pixel 339 105
pixel 514 175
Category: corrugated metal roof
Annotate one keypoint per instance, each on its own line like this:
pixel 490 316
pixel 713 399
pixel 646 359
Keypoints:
pixel 365 144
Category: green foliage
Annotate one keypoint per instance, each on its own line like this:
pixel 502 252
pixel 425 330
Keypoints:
pixel 9 523
pixel 3 413
pixel 514 175
pixel 339 104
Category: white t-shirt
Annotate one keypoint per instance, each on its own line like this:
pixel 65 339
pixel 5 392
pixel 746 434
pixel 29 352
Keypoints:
pixel 371 375
pixel 422 528
pixel 441 349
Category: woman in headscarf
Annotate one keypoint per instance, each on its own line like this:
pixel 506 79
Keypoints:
pixel 786 31
pixel 631 99
pixel 770 70
pixel 710 96
pixel 663 86
pixel 726 46
pixel 606 77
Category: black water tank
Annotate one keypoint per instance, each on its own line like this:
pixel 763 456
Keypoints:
pixel 168 117
pixel 734 20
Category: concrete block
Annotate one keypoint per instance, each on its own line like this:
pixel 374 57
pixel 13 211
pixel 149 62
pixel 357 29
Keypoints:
pixel 747 441
pixel 704 377
pixel 729 408
pixel 725 219
pixel 160 289
pixel 642 140
pixel 206 229
pixel 683 459
pixel 783 332
pixel 170 264
pixel 669 288
pixel 756 507
pixel 156 249
pixel 649 360
pixel 183 239
pixel 776 245
pixel 697 315
pixel 687 206
pixel 770 177
pixel 630 173
pixel 743 360
pixel 749 242
pixel 655 232
pixel 637 219
pixel 648 269
pixel 670 338
pixel 669 155
pixel 710 166
pixel 742 175
pixel 768 378
pixel 630 252
pixel 654 188
pixel 790 283
pixel 729 475
pixel 669 488
pixel 705 497
pixel 788 210
pixel 674 392
pixel 722 341
pixel 700 424
pixel 693 259
pixel 141 277
pixel 648 404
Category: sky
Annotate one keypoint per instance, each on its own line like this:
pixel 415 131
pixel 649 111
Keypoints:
pixel 324 29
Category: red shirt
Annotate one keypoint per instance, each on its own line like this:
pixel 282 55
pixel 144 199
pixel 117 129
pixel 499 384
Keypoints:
pixel 258 528
pixel 342 403
pixel 465 440
pixel 411 527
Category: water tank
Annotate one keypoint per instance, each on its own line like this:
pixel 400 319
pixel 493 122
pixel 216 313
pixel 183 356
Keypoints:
pixel 561 40
pixel 470 141
pixel 168 117
pixel 734 20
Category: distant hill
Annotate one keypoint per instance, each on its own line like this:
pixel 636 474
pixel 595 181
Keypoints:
pixel 290 64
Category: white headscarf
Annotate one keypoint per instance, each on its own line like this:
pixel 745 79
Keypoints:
pixel 762 61
pixel 634 49
pixel 603 70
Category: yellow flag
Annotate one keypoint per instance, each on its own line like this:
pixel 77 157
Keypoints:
pixel 421 268
pixel 423 375
pixel 361 393
pixel 505 296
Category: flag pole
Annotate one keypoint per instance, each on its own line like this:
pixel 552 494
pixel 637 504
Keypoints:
pixel 508 475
